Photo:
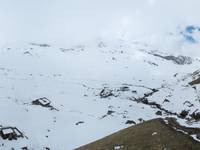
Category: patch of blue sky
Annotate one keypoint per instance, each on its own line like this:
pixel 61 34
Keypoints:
pixel 188 37
pixel 191 29
pixel 188 33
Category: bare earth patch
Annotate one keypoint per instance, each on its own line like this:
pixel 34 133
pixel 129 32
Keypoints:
pixel 156 134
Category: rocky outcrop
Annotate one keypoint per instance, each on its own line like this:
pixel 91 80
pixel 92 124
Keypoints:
pixel 180 60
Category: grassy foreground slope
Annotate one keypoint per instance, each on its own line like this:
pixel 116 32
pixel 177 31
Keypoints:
pixel 150 135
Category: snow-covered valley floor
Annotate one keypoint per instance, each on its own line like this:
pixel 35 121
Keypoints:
pixel 73 79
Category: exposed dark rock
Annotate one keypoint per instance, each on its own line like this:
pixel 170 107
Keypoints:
pixel 195 115
pixel 27 53
pixel 154 90
pixel 105 93
pixel 155 105
pixel 80 122
pixel 151 93
pixel 198 136
pixel 141 120
pixel 152 63
pixel 41 45
pixel 175 74
pixel 194 87
pixel 113 58
pixel 134 91
pixel 44 102
pixel 180 60
pixel 124 88
pixel 159 113
pixel 67 49
pixel 166 100
pixel 10 133
pixel 130 122
pixel 197 81
pixel 110 112
pixel 188 103
pixel 184 114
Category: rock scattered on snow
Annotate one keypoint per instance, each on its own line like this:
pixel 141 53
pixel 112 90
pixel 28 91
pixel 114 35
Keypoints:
pixel 44 102
pixel 180 60
pixel 106 93
pixel 40 45
pixel 80 122
pixel 159 113
pixel 184 114
pixel 195 115
pixel 10 133
pixel 130 122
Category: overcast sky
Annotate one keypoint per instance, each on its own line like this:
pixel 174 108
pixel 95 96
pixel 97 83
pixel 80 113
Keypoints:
pixel 76 20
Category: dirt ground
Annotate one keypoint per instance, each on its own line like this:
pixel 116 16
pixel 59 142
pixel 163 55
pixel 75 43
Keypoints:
pixel 150 135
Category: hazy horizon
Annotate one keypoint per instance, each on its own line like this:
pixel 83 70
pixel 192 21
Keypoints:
pixel 63 21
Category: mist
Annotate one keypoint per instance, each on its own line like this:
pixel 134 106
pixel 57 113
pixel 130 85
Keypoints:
pixel 65 21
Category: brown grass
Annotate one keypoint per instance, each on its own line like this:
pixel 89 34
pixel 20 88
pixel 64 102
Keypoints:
pixel 197 81
pixel 139 137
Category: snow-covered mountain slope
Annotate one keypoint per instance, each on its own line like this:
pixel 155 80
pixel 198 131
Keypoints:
pixel 94 90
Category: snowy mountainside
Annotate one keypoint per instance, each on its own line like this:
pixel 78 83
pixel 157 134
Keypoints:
pixel 95 89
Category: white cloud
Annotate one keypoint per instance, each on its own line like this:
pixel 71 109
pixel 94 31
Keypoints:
pixel 76 20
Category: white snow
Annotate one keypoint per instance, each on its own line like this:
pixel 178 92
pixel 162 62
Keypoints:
pixel 44 101
pixel 7 131
pixel 90 50
pixel 154 133
pixel 73 81
pixel 118 147
pixel 194 136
